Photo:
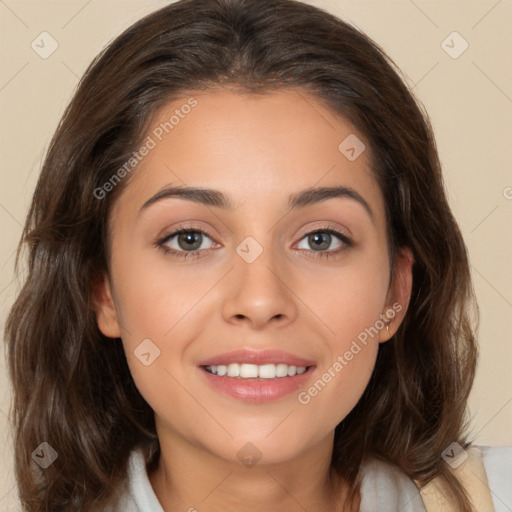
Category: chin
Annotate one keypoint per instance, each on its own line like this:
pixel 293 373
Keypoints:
pixel 261 449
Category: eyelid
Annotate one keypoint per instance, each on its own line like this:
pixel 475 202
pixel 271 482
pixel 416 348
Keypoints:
pixel 303 232
pixel 323 227
pixel 185 228
pixel 340 233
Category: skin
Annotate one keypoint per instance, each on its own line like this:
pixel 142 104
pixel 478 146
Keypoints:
pixel 257 150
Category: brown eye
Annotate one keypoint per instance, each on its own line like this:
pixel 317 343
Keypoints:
pixel 190 240
pixel 322 239
pixel 185 242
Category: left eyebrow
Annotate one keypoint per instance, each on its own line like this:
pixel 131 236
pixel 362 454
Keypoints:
pixel 211 197
pixel 320 194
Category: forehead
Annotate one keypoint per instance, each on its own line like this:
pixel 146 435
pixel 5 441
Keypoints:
pixel 255 148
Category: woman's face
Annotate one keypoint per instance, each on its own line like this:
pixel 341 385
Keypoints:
pixel 255 292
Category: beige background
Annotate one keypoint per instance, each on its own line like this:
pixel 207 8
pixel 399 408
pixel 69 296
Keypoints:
pixel 468 98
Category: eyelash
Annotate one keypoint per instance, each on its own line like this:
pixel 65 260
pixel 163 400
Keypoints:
pixel 160 244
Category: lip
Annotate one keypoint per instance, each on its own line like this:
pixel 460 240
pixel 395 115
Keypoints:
pixel 259 357
pixel 257 390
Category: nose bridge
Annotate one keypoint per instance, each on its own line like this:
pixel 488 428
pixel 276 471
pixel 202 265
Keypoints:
pixel 259 291
pixel 259 264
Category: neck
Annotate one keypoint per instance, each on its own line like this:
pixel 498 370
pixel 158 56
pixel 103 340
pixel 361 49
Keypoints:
pixel 187 477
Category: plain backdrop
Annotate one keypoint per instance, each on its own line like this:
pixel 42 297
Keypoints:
pixel 468 96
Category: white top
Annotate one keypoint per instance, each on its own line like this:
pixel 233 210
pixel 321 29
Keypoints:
pixel 384 487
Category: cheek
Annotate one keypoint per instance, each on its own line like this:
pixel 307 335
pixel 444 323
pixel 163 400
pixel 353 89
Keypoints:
pixel 155 297
pixel 337 389
pixel 161 312
pixel 348 304
pixel 348 301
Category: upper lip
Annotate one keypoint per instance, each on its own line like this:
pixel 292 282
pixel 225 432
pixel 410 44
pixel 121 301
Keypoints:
pixel 258 357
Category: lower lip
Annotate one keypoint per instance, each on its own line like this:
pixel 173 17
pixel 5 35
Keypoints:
pixel 257 390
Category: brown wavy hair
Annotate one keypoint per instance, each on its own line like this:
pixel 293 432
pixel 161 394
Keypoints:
pixel 72 385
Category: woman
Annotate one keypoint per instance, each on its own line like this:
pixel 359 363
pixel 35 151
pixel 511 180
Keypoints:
pixel 312 348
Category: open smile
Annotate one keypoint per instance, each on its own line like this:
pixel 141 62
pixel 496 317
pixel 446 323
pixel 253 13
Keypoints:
pixel 256 376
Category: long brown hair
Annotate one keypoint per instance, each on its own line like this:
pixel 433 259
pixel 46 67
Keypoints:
pixel 72 385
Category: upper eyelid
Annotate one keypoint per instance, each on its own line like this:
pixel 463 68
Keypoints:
pixel 327 227
pixel 185 229
pixel 337 232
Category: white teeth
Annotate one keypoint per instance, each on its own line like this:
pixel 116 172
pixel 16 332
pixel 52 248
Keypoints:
pixel 281 370
pixel 252 371
pixel 233 370
pixel 292 370
pixel 248 370
pixel 267 371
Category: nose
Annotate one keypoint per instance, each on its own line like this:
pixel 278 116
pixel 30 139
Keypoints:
pixel 259 293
